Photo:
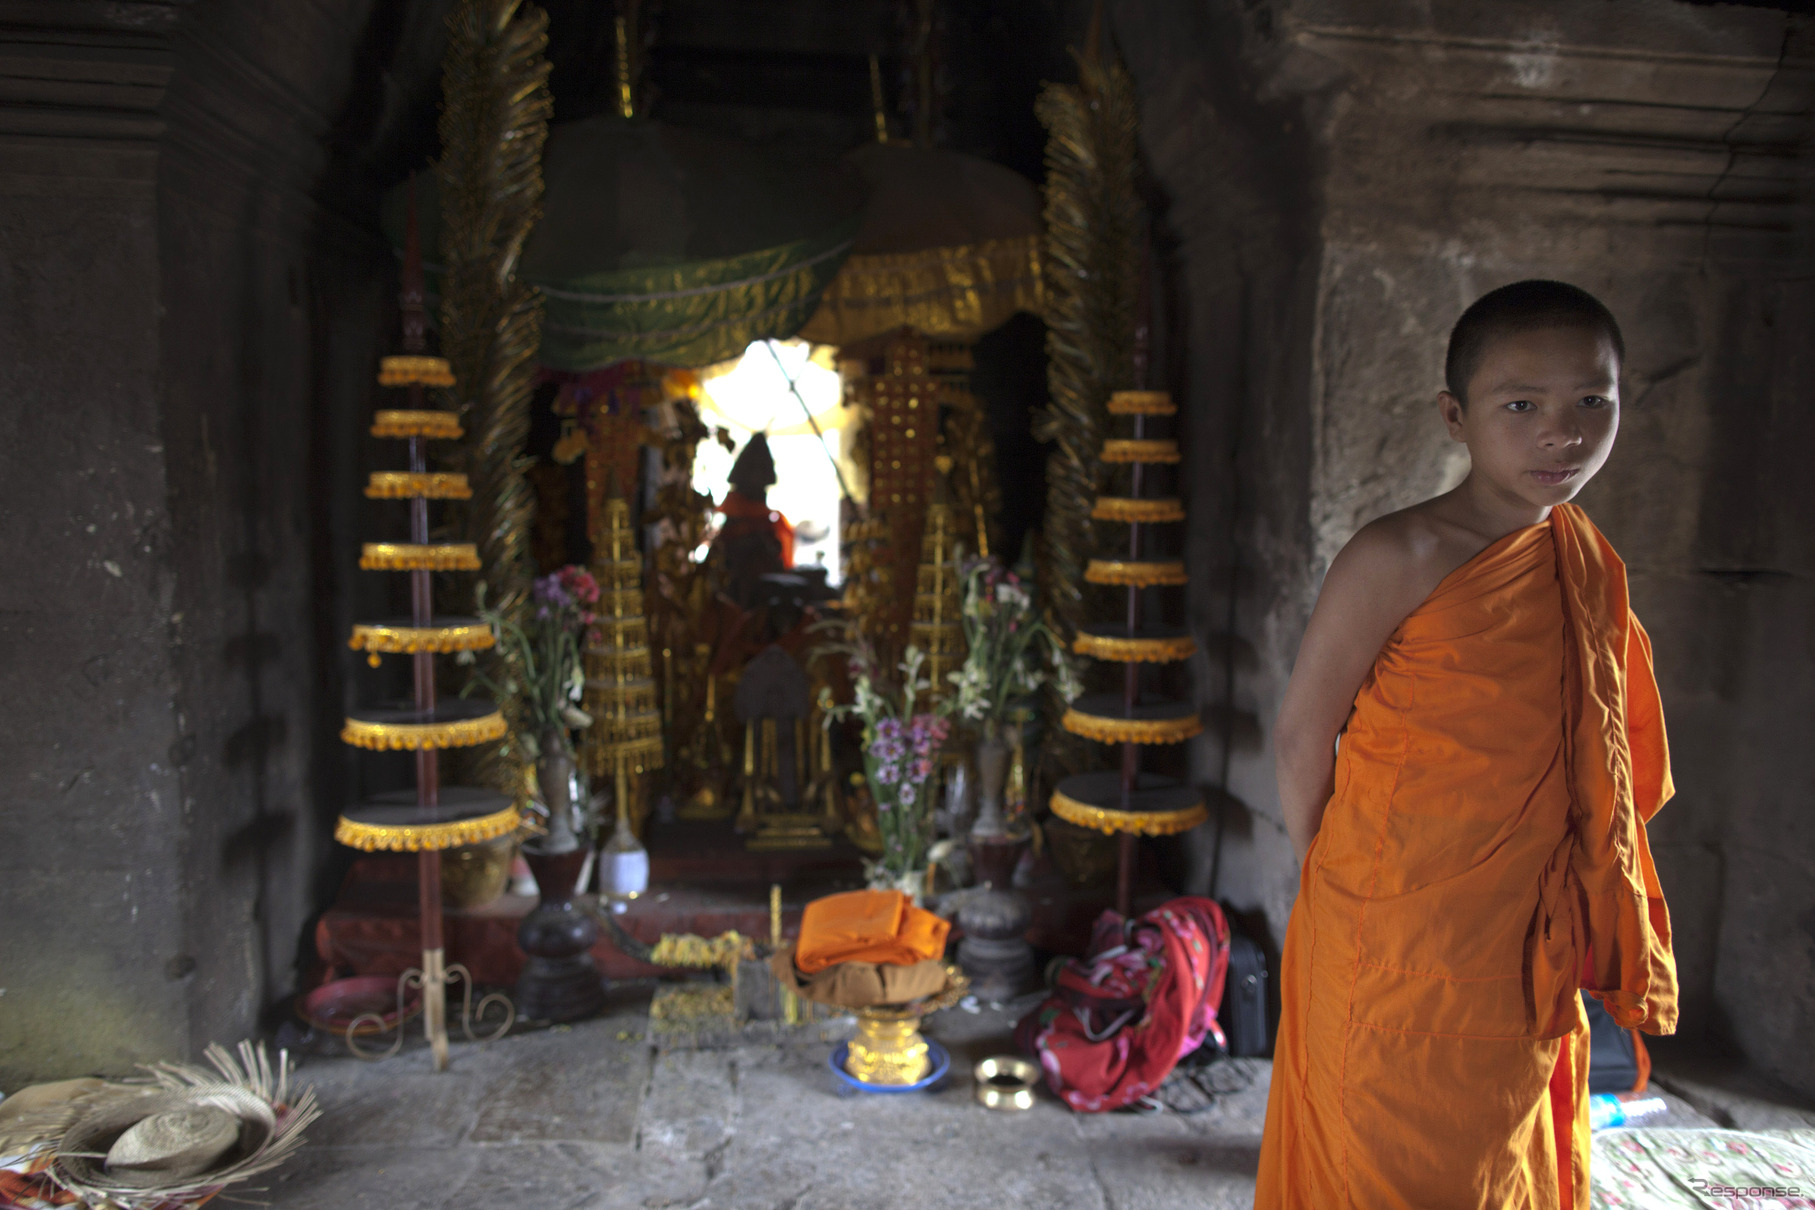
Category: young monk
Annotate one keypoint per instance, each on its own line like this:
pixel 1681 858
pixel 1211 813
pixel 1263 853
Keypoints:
pixel 1468 752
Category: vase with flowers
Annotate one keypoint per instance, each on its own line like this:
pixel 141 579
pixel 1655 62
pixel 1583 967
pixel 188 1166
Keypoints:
pixel 1010 653
pixel 539 666
pixel 900 747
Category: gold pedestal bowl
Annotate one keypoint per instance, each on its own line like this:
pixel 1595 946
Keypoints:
pixel 888 1048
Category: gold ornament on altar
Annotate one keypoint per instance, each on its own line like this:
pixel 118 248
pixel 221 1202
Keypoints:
pixel 938 627
pixel 625 739
pixel 888 1048
pixel 1127 801
pixel 433 817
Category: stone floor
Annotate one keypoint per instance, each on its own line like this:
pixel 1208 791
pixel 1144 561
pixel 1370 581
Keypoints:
pixel 591 1117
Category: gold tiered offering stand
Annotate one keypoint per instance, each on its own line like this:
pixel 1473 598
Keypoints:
pixel 625 739
pixel 1128 802
pixel 938 626
pixel 431 817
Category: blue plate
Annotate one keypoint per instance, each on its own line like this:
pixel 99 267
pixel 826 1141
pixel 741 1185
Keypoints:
pixel 942 1063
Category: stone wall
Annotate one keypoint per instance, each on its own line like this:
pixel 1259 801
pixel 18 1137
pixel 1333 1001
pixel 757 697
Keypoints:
pixel 192 304
pixel 1338 179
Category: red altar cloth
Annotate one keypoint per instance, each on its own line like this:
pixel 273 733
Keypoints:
pixel 372 927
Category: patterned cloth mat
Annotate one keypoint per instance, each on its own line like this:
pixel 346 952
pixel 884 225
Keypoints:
pixel 1703 1169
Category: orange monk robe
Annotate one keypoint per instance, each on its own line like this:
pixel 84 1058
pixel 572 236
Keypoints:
pixel 867 926
pixel 1483 857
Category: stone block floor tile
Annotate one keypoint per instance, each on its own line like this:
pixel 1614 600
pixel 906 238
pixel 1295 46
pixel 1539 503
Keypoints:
pixel 590 1117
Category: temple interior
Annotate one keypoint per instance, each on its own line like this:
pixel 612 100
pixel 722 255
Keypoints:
pixel 355 348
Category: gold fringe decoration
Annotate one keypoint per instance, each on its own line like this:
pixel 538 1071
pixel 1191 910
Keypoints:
pixel 1142 823
pixel 494 121
pixel 1142 403
pixel 408 640
pixel 1126 449
pixel 416 737
pixel 1147 510
pixel 1090 276
pixel 1125 650
pixel 404 485
pixel 397 422
pixel 407 370
pixel 414 838
pixel 1107 729
pixel 411 556
pixel 1137 575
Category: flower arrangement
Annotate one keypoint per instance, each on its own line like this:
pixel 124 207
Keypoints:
pixel 900 750
pixel 1008 644
pixel 539 660
pixel 538 664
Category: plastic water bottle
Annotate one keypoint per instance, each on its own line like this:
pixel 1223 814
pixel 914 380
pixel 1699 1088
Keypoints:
pixel 1605 1110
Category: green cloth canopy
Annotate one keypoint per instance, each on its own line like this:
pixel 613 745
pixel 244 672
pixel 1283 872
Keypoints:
pixel 671 245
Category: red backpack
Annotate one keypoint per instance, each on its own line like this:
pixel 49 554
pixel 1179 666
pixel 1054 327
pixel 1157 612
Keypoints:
pixel 1122 1016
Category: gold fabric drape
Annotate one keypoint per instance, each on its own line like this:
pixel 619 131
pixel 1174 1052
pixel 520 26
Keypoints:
pixel 951 293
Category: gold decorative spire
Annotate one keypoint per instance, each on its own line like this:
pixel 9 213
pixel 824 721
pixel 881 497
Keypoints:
pixel 625 739
pixel 938 626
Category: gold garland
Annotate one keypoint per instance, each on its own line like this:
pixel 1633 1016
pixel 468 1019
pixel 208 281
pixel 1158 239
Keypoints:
pixel 395 422
pixel 417 737
pixel 1109 730
pixel 414 838
pixel 1138 575
pixel 409 556
pixel 404 485
pixel 1142 823
pixel 1125 449
pixel 1154 510
pixel 1141 403
pixel 1130 650
pixel 405 371
pixel 408 640
pixel 702 953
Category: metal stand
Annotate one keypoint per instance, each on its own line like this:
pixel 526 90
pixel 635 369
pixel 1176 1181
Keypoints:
pixel 433 977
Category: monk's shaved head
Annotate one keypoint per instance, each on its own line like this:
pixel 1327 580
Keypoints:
pixel 1523 307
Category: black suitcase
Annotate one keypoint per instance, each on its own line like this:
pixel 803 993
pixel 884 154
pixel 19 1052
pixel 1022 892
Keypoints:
pixel 1243 1015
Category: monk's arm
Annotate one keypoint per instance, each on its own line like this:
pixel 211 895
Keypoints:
pixel 1371 587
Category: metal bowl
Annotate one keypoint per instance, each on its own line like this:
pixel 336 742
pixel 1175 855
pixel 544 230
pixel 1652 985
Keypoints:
pixel 1006 1082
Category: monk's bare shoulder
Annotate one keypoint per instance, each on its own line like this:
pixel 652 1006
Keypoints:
pixel 1393 563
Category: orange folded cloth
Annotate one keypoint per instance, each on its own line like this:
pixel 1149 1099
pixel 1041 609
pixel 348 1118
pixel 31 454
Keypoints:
pixel 1483 857
pixel 867 926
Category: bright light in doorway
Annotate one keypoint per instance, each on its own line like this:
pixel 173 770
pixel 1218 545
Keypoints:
pixel 754 396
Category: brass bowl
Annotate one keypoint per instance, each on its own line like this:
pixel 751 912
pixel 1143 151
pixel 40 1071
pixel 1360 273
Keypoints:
pixel 473 875
pixel 1085 856
pixel 1006 1082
